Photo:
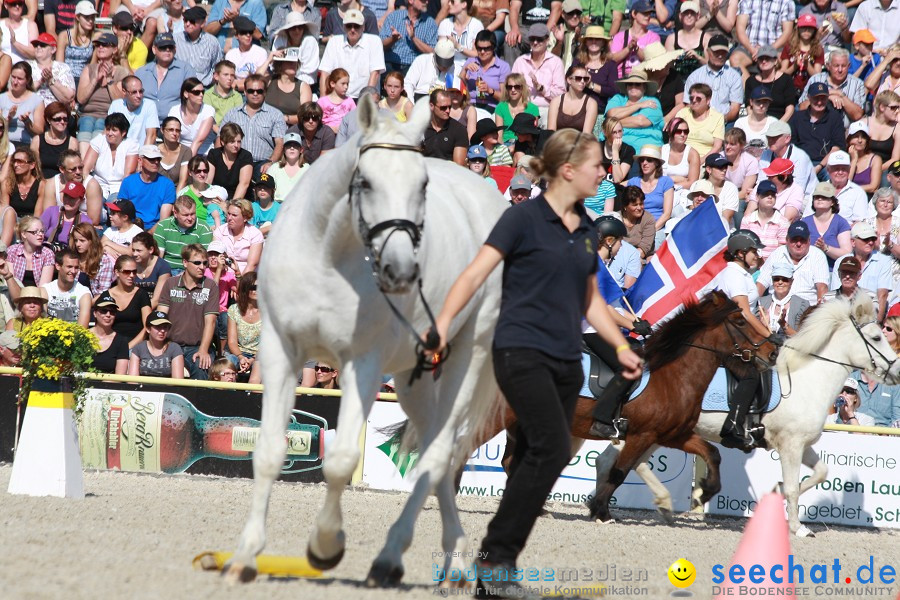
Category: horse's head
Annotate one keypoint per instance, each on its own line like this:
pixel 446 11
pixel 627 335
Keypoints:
pixel 387 193
pixel 870 350
pixel 715 324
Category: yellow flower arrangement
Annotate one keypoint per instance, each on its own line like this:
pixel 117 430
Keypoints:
pixel 52 349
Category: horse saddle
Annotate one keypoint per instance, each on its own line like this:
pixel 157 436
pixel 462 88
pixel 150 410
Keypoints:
pixel 598 374
pixel 723 385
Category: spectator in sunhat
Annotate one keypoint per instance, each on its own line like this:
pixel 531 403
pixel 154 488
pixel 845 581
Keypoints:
pixel 530 138
pixel 487 134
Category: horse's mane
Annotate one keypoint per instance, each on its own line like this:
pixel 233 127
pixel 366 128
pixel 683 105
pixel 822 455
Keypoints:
pixel 668 343
pixel 820 324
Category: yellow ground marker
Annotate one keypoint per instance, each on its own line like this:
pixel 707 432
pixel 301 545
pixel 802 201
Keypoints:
pixel 273 566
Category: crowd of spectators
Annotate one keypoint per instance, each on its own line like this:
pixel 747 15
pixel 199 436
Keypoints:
pixel 143 163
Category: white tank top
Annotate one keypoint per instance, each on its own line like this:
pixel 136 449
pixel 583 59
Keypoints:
pixel 21 35
pixel 682 169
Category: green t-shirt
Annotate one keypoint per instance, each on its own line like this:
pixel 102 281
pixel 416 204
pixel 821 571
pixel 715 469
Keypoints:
pixel 503 110
pixel 603 9
pixel 172 238
pixel 222 104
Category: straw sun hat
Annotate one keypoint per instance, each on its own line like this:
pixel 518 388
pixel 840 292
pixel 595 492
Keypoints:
pixel 637 76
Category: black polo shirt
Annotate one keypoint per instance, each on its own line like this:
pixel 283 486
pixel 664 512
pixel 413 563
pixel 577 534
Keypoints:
pixel 545 276
pixel 440 144
pixel 816 139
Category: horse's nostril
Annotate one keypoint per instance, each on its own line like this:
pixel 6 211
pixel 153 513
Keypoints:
pixel 389 271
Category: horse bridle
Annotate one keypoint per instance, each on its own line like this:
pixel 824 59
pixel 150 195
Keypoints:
pixel 431 340
pixel 869 350
pixel 745 355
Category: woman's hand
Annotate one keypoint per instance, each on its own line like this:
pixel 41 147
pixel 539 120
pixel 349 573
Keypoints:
pixel 632 364
pixel 245 363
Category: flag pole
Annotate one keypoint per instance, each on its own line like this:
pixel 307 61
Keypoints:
pixel 628 306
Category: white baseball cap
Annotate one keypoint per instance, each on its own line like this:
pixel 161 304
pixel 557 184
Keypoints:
pixel 86 8
pixel 150 151
pixel 216 246
pixel 858 126
pixel 839 158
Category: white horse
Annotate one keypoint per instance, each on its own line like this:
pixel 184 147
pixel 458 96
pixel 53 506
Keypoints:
pixel 375 206
pixel 836 338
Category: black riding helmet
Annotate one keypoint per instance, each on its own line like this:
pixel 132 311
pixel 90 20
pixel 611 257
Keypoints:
pixel 744 239
pixel 608 225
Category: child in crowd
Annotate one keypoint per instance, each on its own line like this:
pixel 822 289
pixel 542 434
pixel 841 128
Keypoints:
pixel 803 56
pixel 117 238
pixel 265 209
pixel 393 99
pixel 477 161
pixel 864 58
pixel 487 134
pixel 222 96
pixel 214 198
pixel 336 104
pixel 222 370
pixel 222 270
pixel 247 57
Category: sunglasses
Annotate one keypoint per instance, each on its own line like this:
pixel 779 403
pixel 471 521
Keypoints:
pixel 684 131
pixel 199 263
pixel 847 275
pixel 646 159
pixel 781 279
pixel 105 311
pixel 321 369
pixel 311 118
pixel 196 92
pixel 513 86
pixel 698 98
pixel 21 161
pixel 203 171
pixel 442 108
pixel 888 328
pixel 128 271
pixel 255 90
pixel 537 40
pixel 848 390
pixel 484 48
pixel 102 45
pixel 894 106
pixel 153 160
pixel 581 78
pixel 62 119
pixel 252 288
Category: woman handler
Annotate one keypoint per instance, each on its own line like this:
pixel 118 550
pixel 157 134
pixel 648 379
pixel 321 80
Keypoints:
pixel 548 248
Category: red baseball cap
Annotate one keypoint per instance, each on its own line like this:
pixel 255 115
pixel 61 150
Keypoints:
pixel 894 311
pixel 74 189
pixel 807 20
pixel 779 166
pixel 44 38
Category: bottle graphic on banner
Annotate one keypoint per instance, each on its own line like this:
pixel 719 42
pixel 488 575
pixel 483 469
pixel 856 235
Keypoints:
pixel 162 432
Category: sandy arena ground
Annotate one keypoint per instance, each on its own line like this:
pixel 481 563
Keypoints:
pixel 134 537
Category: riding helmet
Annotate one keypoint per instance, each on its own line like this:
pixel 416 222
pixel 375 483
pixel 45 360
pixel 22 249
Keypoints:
pixel 744 239
pixel 608 225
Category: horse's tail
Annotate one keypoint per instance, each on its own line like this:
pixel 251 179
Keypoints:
pixel 403 435
pixel 488 415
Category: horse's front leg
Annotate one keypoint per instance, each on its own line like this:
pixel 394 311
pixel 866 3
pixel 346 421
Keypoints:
pixel 360 379
pixel 629 456
pixel 280 366
pixel 711 484
pixel 661 496
pixel 790 473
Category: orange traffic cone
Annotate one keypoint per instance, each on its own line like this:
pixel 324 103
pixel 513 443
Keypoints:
pixel 766 542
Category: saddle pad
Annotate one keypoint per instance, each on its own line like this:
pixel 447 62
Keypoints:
pixel 586 369
pixel 716 397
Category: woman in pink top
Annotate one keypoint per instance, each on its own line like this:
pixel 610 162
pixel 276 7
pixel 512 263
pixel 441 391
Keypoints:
pixel 744 169
pixel 336 103
pixel 627 47
pixel 789 195
pixel 243 242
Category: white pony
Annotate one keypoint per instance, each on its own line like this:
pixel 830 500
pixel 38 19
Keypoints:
pixel 375 206
pixel 836 338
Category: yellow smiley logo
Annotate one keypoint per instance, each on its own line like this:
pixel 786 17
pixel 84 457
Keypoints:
pixel 682 573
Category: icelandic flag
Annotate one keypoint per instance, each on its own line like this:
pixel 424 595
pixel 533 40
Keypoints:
pixel 609 289
pixel 683 266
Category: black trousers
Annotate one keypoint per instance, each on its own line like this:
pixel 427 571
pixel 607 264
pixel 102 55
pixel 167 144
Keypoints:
pixel 542 391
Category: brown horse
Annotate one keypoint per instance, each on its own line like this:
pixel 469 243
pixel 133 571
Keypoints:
pixel 682 357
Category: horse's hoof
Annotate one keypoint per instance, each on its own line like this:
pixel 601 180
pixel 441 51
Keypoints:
pixel 323 564
pixel 667 515
pixel 383 575
pixel 460 584
pixel 235 573
pixel 804 531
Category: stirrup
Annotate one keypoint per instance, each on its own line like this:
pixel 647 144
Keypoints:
pixel 616 431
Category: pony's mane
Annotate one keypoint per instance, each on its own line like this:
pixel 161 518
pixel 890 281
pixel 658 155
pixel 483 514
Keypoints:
pixel 668 343
pixel 820 324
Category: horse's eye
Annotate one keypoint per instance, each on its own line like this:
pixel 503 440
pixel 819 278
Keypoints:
pixel 877 338
pixel 740 321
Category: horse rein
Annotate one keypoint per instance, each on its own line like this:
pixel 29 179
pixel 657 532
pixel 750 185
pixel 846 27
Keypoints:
pixel 746 355
pixel 869 349
pixel 432 340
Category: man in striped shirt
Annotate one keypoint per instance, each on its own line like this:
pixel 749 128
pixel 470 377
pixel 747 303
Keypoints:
pixel 179 230
pixel 196 47
pixel 262 124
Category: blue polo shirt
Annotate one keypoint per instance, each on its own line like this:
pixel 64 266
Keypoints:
pixel 168 93
pixel 254 10
pixel 545 277
pixel 882 403
pixel 147 198
pixel 404 51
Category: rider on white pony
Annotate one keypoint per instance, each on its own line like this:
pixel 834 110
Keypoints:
pixel 736 281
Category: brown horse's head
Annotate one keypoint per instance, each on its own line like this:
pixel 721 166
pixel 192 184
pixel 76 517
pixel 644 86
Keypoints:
pixel 715 324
